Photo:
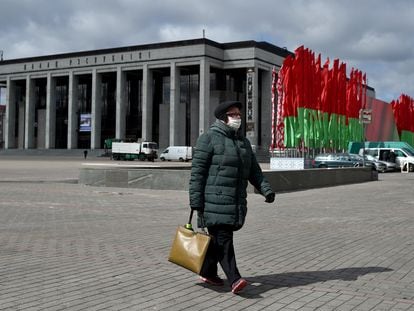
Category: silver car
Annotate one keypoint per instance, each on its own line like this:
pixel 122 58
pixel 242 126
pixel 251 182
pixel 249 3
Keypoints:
pixel 389 166
pixel 380 166
pixel 328 160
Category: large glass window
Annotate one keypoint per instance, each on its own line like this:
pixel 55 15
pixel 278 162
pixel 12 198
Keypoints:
pixel 84 96
pixel 166 90
pixel 61 97
pixel 189 96
pixel 133 129
pixel 84 108
pixel 108 117
pixel 40 104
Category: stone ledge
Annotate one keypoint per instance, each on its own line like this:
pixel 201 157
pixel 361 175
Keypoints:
pixel 177 179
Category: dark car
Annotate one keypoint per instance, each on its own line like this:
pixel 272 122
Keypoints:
pixel 326 160
pixel 330 160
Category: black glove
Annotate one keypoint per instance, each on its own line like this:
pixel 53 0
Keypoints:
pixel 270 198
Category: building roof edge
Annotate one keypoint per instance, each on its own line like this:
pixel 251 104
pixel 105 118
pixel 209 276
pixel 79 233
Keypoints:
pixel 230 45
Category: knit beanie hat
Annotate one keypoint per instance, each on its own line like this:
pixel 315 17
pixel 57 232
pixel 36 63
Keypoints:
pixel 222 108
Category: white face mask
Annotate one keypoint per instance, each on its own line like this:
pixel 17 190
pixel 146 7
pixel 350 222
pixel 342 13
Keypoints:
pixel 234 123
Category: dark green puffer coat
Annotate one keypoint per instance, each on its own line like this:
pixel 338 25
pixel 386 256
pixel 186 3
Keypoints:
pixel 222 165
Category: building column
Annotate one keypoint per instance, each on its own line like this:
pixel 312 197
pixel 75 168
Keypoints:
pixel 10 132
pixel 174 102
pixel 147 103
pixel 72 112
pixel 266 111
pixel 205 116
pixel 50 112
pixel 96 110
pixel 252 105
pixel 29 115
pixel 120 104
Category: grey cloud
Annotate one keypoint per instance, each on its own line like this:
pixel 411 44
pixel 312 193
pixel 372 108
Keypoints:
pixel 371 35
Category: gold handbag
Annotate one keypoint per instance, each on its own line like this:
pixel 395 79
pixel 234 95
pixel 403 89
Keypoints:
pixel 189 248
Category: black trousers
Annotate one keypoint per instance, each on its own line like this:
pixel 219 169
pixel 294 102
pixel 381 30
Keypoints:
pixel 221 250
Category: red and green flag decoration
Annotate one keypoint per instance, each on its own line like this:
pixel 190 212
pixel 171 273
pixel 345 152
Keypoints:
pixel 403 110
pixel 318 104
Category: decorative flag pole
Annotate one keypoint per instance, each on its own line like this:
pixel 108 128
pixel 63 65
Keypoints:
pixel 272 144
pixel 280 126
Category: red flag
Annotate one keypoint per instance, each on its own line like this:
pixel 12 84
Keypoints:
pixel 289 94
pixel 325 91
pixel 317 83
pixel 411 115
pixel 299 72
pixel 364 96
pixel 342 89
pixel 334 86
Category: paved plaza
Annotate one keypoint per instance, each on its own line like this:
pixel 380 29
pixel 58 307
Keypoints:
pixel 65 246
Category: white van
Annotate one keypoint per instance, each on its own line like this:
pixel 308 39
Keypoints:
pixel 177 153
pixel 401 156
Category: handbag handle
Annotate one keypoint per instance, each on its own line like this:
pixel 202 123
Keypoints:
pixel 203 227
pixel 191 216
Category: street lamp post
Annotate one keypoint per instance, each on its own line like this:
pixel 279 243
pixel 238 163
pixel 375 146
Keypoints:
pixel 365 116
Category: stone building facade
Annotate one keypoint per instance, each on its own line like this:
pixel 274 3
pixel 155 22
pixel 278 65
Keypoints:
pixel 162 92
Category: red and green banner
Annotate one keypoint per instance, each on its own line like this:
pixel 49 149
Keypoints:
pixel 403 110
pixel 318 103
pixel 382 126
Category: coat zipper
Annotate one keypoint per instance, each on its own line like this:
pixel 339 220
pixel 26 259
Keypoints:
pixel 239 177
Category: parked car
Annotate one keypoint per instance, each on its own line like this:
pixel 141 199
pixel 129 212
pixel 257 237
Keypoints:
pixel 389 166
pixel 330 160
pixel 326 160
pixel 380 166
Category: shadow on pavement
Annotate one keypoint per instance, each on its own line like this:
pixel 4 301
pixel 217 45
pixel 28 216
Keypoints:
pixel 293 279
pixel 263 283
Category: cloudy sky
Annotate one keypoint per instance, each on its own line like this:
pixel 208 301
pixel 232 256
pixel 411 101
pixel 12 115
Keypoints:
pixel 375 36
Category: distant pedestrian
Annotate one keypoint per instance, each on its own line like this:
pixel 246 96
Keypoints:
pixel 85 154
pixel 222 165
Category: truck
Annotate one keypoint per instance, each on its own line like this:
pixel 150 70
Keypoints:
pixel 146 150
pixel 400 153
pixel 177 153
pixel 108 145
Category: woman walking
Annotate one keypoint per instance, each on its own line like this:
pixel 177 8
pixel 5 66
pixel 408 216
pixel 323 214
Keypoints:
pixel 223 164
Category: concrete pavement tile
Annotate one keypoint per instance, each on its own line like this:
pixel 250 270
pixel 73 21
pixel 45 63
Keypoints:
pixel 76 248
